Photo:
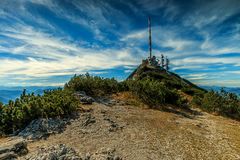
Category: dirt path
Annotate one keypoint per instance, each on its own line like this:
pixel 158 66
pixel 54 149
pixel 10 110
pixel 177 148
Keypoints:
pixel 137 133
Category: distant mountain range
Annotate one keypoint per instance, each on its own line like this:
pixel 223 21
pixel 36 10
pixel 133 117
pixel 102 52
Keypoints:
pixel 11 93
pixel 235 90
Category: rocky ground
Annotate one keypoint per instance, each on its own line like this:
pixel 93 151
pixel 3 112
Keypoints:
pixel 112 130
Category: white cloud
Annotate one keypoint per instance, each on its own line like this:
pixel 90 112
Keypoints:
pixel 207 60
pixel 44 53
pixel 48 55
pixel 216 82
pixel 185 66
pixel 196 76
pixel 211 12
pixel 128 71
pixel 178 45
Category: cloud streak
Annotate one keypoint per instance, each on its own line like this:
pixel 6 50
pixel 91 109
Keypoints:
pixel 46 42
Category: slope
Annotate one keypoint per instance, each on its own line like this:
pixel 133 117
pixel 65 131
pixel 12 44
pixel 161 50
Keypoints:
pixel 169 78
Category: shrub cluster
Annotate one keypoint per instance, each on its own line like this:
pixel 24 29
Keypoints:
pixel 153 92
pixel 58 103
pixel 93 85
pixel 150 91
pixel 193 91
pixel 224 103
pixel 16 114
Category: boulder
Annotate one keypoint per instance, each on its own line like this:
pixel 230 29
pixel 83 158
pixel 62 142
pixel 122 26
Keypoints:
pixel 42 128
pixel 13 149
pixel 84 99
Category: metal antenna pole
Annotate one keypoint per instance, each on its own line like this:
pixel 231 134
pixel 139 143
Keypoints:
pixel 167 64
pixel 150 37
pixel 162 60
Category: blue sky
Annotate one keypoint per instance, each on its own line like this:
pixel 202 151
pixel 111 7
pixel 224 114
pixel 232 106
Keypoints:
pixel 45 42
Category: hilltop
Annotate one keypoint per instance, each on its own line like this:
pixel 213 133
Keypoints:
pixel 154 114
pixel 160 74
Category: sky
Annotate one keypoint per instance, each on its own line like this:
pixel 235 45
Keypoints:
pixel 46 42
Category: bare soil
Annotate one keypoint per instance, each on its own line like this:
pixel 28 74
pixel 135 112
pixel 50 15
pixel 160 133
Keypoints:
pixel 138 133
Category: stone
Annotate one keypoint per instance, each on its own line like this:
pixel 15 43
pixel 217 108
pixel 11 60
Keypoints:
pixel 13 149
pixel 105 154
pixel 113 125
pixel 107 102
pixel 84 99
pixel 89 120
pixel 42 128
pixel 20 148
pixel 8 156
pixel 59 152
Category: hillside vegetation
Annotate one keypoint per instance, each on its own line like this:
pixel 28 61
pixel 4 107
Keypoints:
pixel 153 87
pixel 223 103
pixel 17 114
pixel 149 91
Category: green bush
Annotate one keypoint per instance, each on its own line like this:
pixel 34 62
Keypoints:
pixel 150 91
pixel 224 103
pixel 212 101
pixel 93 85
pixel 16 114
pixel 197 100
pixel 188 90
pixel 153 92
pixel 58 103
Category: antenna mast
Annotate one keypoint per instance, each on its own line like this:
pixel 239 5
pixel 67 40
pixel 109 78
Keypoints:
pixel 150 37
pixel 167 64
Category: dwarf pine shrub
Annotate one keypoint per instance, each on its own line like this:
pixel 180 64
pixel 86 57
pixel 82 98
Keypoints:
pixel 223 103
pixel 153 92
pixel 17 114
pixel 93 85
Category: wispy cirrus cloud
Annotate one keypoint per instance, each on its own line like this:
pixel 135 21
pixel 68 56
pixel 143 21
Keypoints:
pixel 47 55
pixel 46 41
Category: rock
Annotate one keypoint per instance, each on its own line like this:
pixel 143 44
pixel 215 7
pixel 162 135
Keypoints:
pixel 59 152
pixel 13 149
pixel 8 156
pixel 84 99
pixel 113 125
pixel 42 128
pixel 4 150
pixel 107 101
pixel 62 152
pixel 104 154
pixel 89 120
pixel 20 148
pixel 80 94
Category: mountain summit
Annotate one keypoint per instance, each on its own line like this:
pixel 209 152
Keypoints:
pixel 156 69
pixel 171 79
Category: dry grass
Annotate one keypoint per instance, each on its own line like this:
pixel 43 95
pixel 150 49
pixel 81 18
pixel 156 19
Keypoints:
pixel 129 99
